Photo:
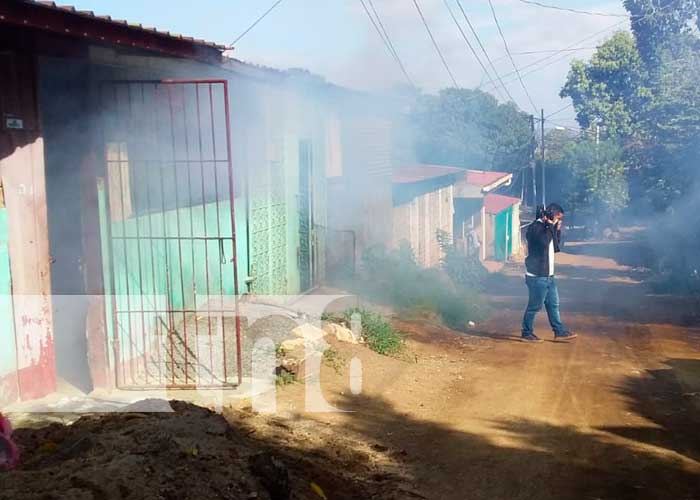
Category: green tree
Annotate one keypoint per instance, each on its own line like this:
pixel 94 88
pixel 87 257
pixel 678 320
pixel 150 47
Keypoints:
pixel 609 90
pixel 668 145
pixel 556 141
pixel 656 22
pixel 672 124
pixel 597 178
pixel 469 128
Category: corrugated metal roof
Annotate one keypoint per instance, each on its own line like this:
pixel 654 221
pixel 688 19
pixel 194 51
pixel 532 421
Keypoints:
pixel 418 173
pixel 483 178
pixel 496 203
pixel 88 14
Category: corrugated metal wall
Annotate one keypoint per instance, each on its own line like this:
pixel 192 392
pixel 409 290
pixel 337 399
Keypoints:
pixel 419 221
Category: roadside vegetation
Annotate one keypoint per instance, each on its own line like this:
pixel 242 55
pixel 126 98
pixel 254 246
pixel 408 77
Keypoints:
pixel 377 331
pixel 450 292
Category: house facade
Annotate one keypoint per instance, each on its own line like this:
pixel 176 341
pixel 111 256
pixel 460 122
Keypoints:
pixel 424 204
pixel 494 217
pixel 148 182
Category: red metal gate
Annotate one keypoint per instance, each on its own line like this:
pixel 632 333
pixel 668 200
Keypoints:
pixel 169 240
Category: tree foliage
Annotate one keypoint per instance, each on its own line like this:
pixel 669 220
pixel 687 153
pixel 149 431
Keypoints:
pixel 469 128
pixel 655 23
pixel 609 90
pixel 556 142
pixel 598 179
pixel 645 90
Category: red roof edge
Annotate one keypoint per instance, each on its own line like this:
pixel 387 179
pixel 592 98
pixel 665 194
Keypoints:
pixel 497 203
pixel 484 178
pixel 67 21
pixel 422 172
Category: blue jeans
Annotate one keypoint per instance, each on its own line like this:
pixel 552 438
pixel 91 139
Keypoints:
pixel 543 292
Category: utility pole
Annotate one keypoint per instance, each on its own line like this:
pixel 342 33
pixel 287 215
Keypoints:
pixel 543 156
pixel 532 161
pixel 522 185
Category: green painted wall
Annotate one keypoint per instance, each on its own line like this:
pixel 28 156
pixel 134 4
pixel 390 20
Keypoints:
pixel 291 153
pixel 159 283
pixel 284 120
pixel 186 263
pixel 8 349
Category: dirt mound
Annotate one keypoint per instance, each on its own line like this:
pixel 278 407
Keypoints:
pixel 190 453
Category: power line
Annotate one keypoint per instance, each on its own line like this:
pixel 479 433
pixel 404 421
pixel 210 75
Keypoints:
pixel 535 70
pixel 476 56
pixel 505 44
pixel 575 11
pixel 585 39
pixel 255 23
pixel 381 25
pixel 377 29
pixel 483 49
pixel 546 51
pixel 559 51
pixel 582 131
pixel 553 55
pixel 560 110
pixel 543 51
pixel 437 48
pixel 384 35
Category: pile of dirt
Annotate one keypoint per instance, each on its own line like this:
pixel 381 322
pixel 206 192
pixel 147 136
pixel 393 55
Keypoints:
pixel 190 453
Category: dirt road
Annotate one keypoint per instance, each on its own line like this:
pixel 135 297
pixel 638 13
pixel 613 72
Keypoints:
pixel 478 415
pixel 614 415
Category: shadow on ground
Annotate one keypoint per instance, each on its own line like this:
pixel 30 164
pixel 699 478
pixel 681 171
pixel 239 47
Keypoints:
pixel 631 252
pixel 540 461
pixel 670 399
pixel 536 461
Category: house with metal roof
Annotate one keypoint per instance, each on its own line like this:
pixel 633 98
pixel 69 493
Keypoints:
pixel 494 217
pixel 424 204
pixel 148 182
pixel 463 203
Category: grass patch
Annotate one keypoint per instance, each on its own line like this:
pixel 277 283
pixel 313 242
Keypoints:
pixel 334 360
pixel 377 332
pixel 284 376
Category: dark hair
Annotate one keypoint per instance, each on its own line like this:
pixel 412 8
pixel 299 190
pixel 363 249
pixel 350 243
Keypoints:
pixel 555 208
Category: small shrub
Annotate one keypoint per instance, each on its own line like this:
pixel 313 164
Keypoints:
pixel 377 332
pixel 451 293
pixel 333 317
pixel 333 359
pixel 284 376
pixel 465 271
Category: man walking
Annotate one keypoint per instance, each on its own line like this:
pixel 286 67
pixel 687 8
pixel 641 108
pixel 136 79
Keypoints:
pixel 543 238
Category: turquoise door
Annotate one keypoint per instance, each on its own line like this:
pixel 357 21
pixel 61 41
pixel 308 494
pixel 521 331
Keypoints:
pixel 503 234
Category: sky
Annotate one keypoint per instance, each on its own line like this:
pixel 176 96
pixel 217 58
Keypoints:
pixel 335 39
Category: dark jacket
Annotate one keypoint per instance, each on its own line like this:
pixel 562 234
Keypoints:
pixel 539 234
